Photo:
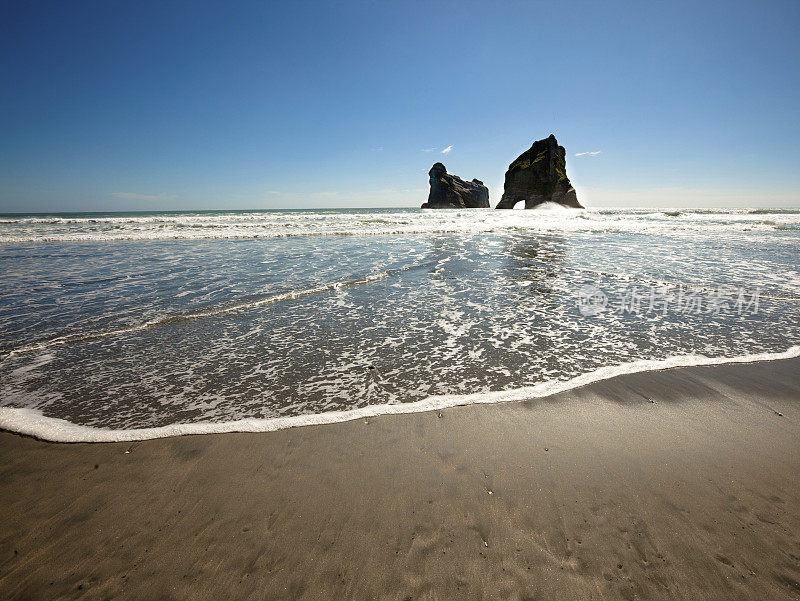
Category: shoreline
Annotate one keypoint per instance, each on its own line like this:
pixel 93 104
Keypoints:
pixel 675 484
pixel 36 425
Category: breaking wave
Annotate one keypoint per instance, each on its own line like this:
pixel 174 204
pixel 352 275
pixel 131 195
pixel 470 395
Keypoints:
pixel 281 224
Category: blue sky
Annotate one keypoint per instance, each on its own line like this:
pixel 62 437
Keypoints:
pixel 163 105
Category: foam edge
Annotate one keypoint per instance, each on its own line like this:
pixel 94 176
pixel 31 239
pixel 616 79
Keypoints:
pixel 32 422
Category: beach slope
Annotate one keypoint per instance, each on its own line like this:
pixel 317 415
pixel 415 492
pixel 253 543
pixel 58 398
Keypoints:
pixel 678 484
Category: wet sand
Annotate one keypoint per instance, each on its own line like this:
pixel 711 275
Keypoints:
pixel 680 484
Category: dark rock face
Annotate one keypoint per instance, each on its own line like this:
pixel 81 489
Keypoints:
pixel 539 175
pixel 452 192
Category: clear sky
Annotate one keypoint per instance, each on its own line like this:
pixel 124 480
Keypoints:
pixel 166 105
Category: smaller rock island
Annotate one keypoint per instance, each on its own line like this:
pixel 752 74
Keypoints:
pixel 451 192
pixel 539 175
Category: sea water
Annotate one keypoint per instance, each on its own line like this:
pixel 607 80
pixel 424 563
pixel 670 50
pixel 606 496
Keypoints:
pixel 119 326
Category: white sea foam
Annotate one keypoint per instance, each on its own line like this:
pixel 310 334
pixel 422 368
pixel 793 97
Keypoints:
pixel 124 336
pixel 33 423
pixel 198 314
pixel 281 224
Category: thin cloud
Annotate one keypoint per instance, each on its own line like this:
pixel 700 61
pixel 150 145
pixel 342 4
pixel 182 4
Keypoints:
pixel 593 153
pixel 448 149
pixel 135 196
pixel 428 149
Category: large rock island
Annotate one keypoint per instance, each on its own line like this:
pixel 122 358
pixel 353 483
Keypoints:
pixel 451 192
pixel 539 175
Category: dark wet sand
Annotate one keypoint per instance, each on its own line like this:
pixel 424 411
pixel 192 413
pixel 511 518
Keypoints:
pixel 597 493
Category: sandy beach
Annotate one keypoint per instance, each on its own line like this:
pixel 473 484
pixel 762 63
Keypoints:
pixel 680 484
pixel 367 301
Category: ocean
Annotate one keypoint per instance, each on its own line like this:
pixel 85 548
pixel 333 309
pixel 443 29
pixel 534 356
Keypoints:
pixel 126 326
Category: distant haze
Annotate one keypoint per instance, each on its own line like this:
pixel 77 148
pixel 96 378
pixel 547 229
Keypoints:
pixel 141 106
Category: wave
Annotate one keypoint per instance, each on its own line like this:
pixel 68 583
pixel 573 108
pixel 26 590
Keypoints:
pixel 282 224
pixel 33 423
pixel 221 309
pixel 774 212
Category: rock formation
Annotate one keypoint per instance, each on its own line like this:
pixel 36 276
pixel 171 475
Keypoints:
pixel 452 192
pixel 539 175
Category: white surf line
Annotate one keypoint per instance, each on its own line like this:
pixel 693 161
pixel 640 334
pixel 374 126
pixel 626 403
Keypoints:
pixel 32 422
pixel 197 314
